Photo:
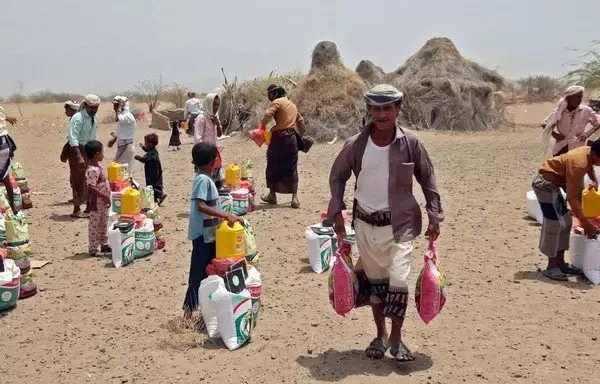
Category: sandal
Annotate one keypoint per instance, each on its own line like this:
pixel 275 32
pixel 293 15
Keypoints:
pixel 80 215
pixel 402 354
pixel 269 199
pixel 570 270
pixel 377 349
pixel 295 204
pixel 555 274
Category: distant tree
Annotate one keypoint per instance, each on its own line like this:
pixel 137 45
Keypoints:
pixel 18 95
pixel 151 91
pixel 176 94
pixel 587 72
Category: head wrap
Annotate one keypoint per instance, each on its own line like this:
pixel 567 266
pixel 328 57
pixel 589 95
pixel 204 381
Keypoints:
pixel 72 105
pixel 554 118
pixel 121 99
pixel 383 94
pixel 276 88
pixel 208 104
pixel 90 100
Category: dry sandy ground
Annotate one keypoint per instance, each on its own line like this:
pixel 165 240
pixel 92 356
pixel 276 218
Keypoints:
pixel 503 322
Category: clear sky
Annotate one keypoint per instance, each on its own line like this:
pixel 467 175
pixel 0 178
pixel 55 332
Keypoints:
pixel 109 45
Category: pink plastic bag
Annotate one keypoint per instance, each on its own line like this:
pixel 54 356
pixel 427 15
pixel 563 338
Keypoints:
pixel 258 135
pixel 343 284
pixel 430 293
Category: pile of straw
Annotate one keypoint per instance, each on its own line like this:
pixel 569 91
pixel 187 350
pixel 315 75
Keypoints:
pixel 370 73
pixel 445 91
pixel 330 98
pixel 243 105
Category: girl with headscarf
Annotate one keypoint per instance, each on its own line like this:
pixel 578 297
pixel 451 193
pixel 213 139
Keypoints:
pixel 7 151
pixel 570 118
pixel 207 129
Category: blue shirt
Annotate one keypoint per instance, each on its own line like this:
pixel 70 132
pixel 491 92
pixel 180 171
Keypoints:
pixel 126 125
pixel 203 225
pixel 82 128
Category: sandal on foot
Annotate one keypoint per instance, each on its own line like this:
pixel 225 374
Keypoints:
pixel 295 204
pixel 377 349
pixel 555 274
pixel 402 354
pixel 269 199
pixel 80 215
pixel 570 270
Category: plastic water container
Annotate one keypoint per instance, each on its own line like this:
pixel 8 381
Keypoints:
pixel 131 202
pixel 230 241
pixel 590 203
pixel 233 174
pixel 240 202
pixel 115 172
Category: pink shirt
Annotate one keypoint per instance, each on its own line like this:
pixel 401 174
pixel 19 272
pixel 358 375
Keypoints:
pixel 571 124
pixel 205 130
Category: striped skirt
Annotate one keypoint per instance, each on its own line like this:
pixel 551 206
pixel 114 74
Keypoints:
pixel 556 227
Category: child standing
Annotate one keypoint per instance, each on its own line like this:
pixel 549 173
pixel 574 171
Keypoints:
pixel 207 129
pixel 99 195
pixel 174 141
pixel 152 167
pixel 205 215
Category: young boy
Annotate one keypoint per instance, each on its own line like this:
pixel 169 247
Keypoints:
pixel 205 215
pixel 99 193
pixel 152 166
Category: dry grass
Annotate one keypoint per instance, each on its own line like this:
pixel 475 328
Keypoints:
pixel 445 91
pixel 331 97
pixel 185 334
pixel 250 100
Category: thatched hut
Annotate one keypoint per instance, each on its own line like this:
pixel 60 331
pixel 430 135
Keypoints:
pixel 445 91
pixel 370 73
pixel 331 97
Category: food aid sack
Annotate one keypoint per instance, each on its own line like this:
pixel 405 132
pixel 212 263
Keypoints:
pixel 254 286
pixel 234 315
pixel 18 199
pixel 147 197
pixel 343 284
pixel 591 261
pixel 144 239
pixel 20 254
pixel 10 284
pixel 207 306
pixel 115 198
pixel 226 202
pixel 250 240
pixel 320 251
pixel 17 171
pixel 121 239
pixel 28 287
pixel 2 228
pixel 17 230
pixel 431 291
pixel 577 249
pixel 533 207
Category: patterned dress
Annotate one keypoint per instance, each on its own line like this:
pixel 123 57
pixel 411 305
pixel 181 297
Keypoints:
pixel 98 222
